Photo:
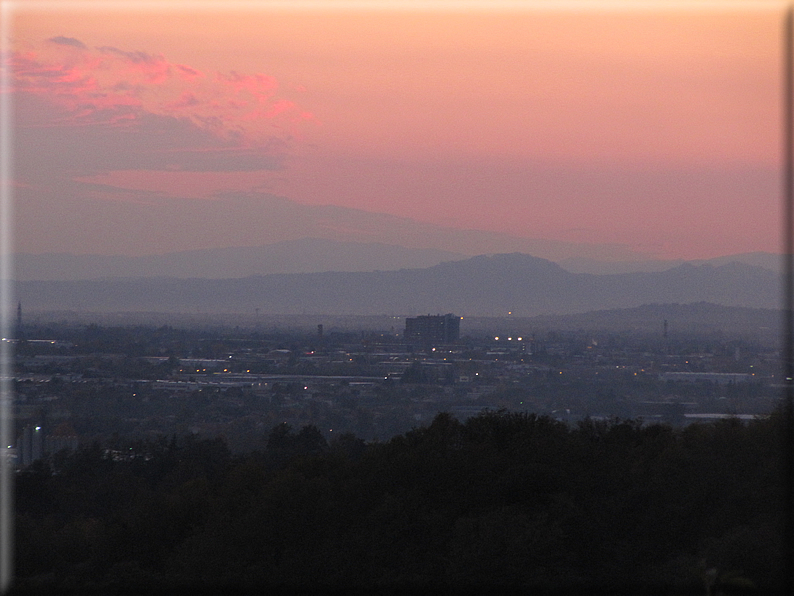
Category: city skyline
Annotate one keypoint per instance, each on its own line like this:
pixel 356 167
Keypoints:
pixel 634 129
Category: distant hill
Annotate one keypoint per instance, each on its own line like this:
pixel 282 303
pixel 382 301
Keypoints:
pixel 694 318
pixel 308 255
pixel 767 260
pixel 483 286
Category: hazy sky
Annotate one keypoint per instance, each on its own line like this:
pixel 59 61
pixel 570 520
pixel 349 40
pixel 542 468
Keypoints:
pixel 155 127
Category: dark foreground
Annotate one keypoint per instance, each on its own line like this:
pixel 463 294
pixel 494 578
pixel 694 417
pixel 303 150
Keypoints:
pixel 503 501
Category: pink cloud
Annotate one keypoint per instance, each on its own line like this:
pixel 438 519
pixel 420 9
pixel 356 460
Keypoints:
pixel 153 69
pixel 73 87
pixel 112 85
pixel 67 41
pixel 32 75
pixel 186 100
pixel 280 107
pixel 188 73
pixel 260 86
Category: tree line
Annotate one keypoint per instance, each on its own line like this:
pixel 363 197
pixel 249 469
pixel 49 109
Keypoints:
pixel 503 500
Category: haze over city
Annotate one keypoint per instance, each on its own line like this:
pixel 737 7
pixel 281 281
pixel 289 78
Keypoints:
pixel 232 226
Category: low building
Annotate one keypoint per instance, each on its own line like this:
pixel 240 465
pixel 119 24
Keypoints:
pixel 708 377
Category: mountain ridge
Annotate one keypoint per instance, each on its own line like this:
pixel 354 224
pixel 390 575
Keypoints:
pixel 483 285
pixel 307 255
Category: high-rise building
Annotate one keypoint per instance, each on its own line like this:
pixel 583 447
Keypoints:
pixel 30 445
pixel 432 329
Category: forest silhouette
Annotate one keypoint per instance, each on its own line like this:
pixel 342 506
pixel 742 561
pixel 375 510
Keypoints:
pixel 504 500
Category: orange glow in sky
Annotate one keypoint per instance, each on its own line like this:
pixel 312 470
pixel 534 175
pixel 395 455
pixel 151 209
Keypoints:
pixel 655 130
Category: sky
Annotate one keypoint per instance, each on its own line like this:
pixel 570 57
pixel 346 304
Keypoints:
pixel 616 130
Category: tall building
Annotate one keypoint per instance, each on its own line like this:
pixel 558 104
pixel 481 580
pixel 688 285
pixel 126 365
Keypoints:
pixel 432 329
pixel 30 445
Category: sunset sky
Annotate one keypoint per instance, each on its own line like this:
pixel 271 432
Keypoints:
pixel 629 128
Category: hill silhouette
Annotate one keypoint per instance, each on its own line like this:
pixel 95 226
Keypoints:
pixel 483 286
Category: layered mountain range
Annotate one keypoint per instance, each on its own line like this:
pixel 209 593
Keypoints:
pixel 314 255
pixel 479 286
